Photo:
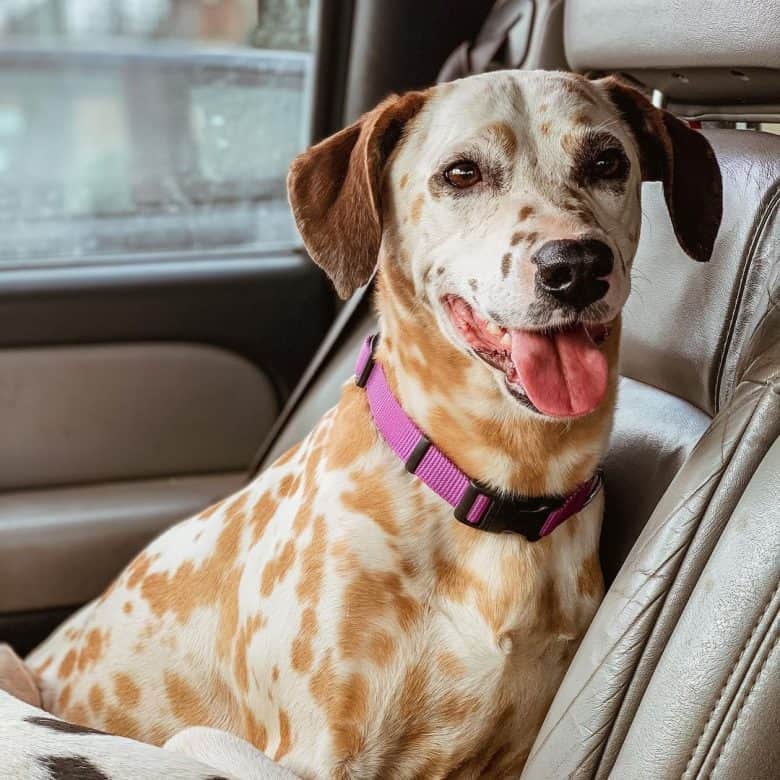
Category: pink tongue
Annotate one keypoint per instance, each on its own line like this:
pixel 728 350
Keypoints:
pixel 564 374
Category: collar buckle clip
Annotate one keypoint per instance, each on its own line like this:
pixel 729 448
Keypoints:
pixel 520 515
pixel 368 366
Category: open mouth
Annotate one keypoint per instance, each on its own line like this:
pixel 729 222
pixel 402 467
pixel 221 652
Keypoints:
pixel 558 371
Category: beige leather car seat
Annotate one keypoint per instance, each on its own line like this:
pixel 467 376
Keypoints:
pixel 679 674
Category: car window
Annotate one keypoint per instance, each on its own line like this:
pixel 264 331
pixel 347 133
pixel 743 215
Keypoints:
pixel 134 127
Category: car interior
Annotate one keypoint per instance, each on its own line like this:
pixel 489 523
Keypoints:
pixel 156 353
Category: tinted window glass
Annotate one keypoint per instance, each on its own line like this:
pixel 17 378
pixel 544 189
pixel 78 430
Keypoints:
pixel 157 127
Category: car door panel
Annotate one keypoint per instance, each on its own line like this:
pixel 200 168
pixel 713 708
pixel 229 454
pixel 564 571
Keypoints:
pixel 250 304
pixel 133 394
pixel 80 415
pixel 61 547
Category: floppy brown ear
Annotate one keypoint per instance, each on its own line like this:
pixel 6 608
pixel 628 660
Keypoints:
pixel 681 158
pixel 335 192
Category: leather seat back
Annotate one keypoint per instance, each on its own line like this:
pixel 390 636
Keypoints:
pixel 686 331
pixel 678 675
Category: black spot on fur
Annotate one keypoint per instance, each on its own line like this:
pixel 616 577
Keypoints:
pixel 506 265
pixel 683 160
pixel 62 726
pixel 71 768
pixel 589 148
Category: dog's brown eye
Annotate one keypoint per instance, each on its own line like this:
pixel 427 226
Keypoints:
pixel 609 164
pixel 463 174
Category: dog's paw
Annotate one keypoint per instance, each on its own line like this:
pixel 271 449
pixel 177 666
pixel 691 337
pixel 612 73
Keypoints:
pixel 16 677
pixel 227 753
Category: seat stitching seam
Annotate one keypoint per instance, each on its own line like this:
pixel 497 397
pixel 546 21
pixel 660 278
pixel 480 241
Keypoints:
pixel 745 646
pixel 685 548
pixel 662 596
pixel 732 727
pixel 761 222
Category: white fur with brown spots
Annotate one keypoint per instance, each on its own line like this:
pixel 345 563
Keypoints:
pixel 36 746
pixel 333 612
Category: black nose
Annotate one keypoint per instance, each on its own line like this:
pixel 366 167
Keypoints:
pixel 571 270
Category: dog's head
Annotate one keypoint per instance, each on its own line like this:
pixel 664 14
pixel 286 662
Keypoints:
pixel 513 199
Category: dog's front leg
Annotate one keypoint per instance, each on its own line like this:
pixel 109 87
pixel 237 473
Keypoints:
pixel 16 677
pixel 228 753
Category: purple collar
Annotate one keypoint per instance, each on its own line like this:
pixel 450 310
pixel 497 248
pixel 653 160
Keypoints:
pixel 475 505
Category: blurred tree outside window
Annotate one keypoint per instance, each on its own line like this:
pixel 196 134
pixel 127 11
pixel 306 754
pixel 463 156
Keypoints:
pixel 282 25
pixel 130 127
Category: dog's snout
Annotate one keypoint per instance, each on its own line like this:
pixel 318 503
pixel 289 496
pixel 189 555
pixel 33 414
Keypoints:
pixel 572 271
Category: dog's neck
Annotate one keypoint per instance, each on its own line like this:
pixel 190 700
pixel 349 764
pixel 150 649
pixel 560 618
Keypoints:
pixel 456 401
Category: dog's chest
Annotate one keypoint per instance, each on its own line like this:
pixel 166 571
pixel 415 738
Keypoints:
pixel 409 636
pixel 419 681
pixel 335 614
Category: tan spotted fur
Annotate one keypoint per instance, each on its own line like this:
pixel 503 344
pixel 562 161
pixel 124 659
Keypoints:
pixel 333 612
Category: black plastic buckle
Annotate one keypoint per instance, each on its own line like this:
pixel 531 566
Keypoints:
pixel 417 454
pixel 524 516
pixel 365 373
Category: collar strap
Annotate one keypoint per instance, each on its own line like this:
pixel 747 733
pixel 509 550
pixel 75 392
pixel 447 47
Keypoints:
pixel 475 505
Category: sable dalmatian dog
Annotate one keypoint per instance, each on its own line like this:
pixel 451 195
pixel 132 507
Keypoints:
pixel 335 613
